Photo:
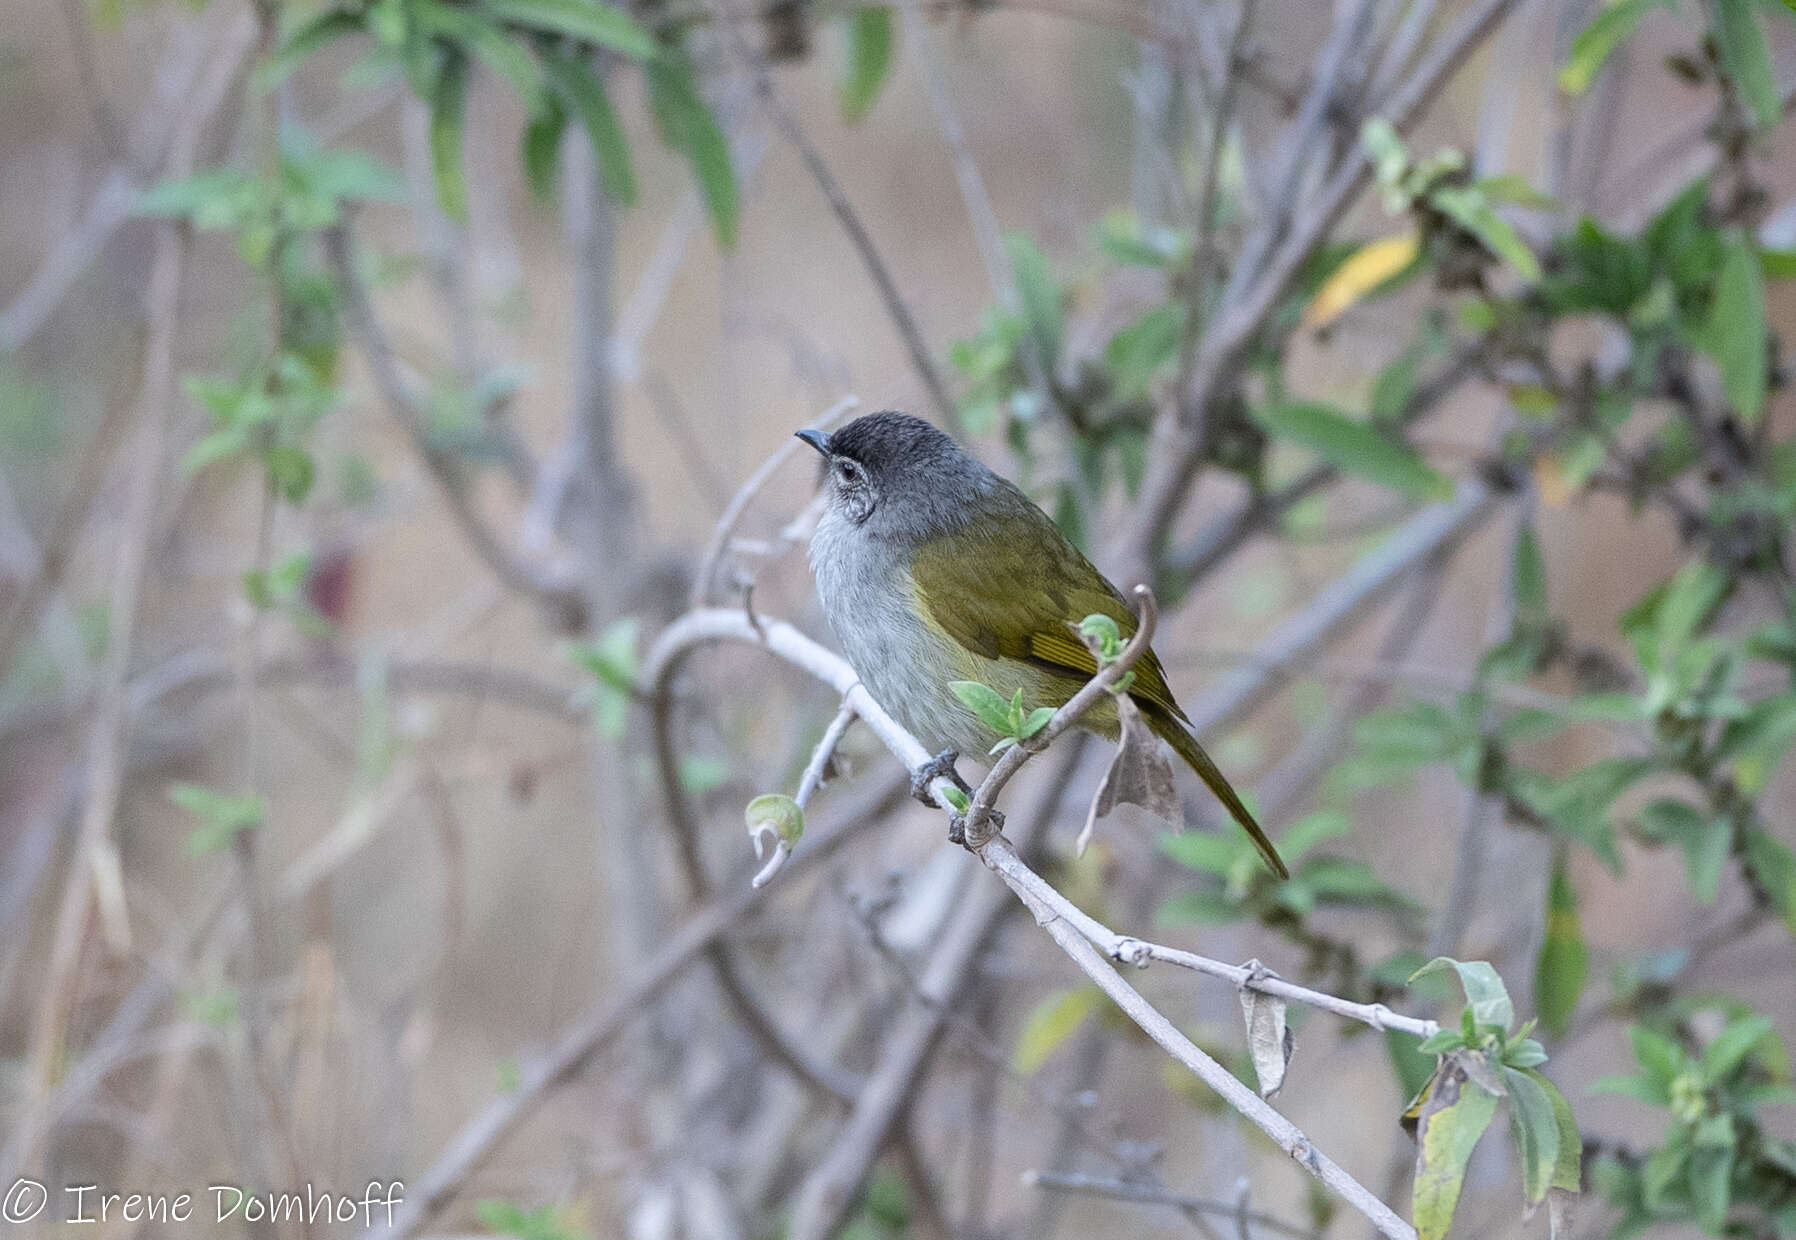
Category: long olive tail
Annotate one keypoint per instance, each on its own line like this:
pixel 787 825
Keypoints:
pixel 1174 733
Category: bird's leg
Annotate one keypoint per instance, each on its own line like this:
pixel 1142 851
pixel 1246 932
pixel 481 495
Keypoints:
pixel 939 767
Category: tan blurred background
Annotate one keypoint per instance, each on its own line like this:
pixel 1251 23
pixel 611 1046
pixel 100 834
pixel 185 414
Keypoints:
pixel 478 914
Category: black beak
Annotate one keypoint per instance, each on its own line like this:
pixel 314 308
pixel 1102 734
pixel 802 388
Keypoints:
pixel 817 439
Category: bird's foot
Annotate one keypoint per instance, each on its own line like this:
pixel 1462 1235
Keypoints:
pixel 939 767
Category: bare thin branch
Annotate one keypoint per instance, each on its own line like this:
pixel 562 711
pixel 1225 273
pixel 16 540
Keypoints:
pixel 562 598
pixel 787 123
pixel 1150 1194
pixel 95 878
pixel 1178 447
pixel 704 579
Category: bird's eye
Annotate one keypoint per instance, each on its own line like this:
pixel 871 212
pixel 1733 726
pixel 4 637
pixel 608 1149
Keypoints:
pixel 848 471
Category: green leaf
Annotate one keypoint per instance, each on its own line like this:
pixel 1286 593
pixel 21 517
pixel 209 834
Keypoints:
pixel 1665 1166
pixel 611 658
pixel 1455 1116
pixel 993 710
pixel 1053 1020
pixel 290 471
pixel 871 43
pixel 1711 1170
pixel 1355 448
pixel 591 21
pixel 387 22
pixel 497 50
pixel 1310 830
pixel 687 125
pixel 1638 1087
pixel 1746 57
pixel 1339 880
pixel 1035 721
pixel 1484 989
pixel 1385 148
pixel 1775 865
pixel 216 446
pixel 1139 351
pixel 1209 851
pixel 1512 187
pixel 542 148
pixel 1661 1058
pixel 1124 240
pixel 580 88
pixel 342 176
pixel 703 773
pixel 1578 804
pixel 1706 843
pixel 1103 630
pixel 448 121
pixel 1415 733
pixel 1606 31
pixel 1735 332
pixel 1472 211
pixel 213 198
pixel 1409 1063
pixel 778 812
pixel 1200 908
pixel 1528 572
pixel 505 1218
pixel 1777 264
pixel 1757 742
pixel 1731 1047
pixel 222 816
pixel 1568 1171
pixel 1564 962
pixel 1536 1132
pixel 217 1008
pixel 1040 295
pixel 1525 1053
pixel 1441 1041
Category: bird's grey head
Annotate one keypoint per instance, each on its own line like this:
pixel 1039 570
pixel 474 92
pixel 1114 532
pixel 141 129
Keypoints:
pixel 897 475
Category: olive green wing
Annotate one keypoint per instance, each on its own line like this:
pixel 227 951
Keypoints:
pixel 1015 588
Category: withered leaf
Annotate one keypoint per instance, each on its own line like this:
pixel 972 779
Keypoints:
pixel 1269 1038
pixel 1138 775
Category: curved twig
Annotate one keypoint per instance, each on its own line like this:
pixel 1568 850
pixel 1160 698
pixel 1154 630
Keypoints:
pixel 1064 922
pixel 979 814
pixel 703 579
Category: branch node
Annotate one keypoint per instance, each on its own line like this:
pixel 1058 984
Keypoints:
pixel 975 835
pixel 1304 1153
pixel 1132 951
pixel 1253 973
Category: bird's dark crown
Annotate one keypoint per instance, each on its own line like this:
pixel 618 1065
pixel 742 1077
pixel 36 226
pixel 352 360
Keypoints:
pixel 889 438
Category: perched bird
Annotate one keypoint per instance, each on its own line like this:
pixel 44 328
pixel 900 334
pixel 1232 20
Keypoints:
pixel 931 569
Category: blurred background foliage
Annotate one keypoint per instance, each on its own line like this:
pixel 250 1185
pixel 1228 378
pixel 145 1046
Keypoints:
pixel 371 375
